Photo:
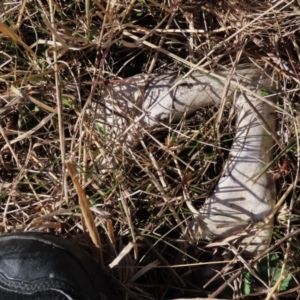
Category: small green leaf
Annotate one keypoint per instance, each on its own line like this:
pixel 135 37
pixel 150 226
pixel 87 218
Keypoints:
pixel 67 102
pixel 247 283
pixel 285 283
pixel 102 129
pixel 265 92
pixel 269 270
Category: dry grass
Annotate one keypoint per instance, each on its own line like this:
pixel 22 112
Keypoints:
pixel 56 57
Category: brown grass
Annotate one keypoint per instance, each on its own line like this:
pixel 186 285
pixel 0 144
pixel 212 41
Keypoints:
pixel 55 58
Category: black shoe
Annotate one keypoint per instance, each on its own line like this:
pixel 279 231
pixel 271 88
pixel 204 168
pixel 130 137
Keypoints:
pixel 36 265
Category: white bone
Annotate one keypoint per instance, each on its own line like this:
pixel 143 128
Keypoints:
pixel 244 194
pixel 241 196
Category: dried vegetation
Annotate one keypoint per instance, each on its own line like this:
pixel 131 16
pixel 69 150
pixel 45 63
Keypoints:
pixel 56 57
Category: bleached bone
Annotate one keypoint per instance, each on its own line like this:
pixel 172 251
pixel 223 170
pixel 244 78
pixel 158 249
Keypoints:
pixel 243 194
pixel 128 106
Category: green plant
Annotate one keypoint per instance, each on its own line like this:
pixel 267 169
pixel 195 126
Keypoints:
pixel 269 271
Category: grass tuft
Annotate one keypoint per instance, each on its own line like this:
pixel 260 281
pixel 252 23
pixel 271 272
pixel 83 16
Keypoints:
pixel 57 56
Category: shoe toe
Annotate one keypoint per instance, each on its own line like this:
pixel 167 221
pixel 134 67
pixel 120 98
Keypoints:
pixel 33 263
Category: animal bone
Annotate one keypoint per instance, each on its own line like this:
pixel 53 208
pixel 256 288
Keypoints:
pixel 129 106
pixel 243 195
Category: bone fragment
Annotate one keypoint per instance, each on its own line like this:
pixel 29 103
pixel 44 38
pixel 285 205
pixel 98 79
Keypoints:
pixel 130 106
pixel 244 196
